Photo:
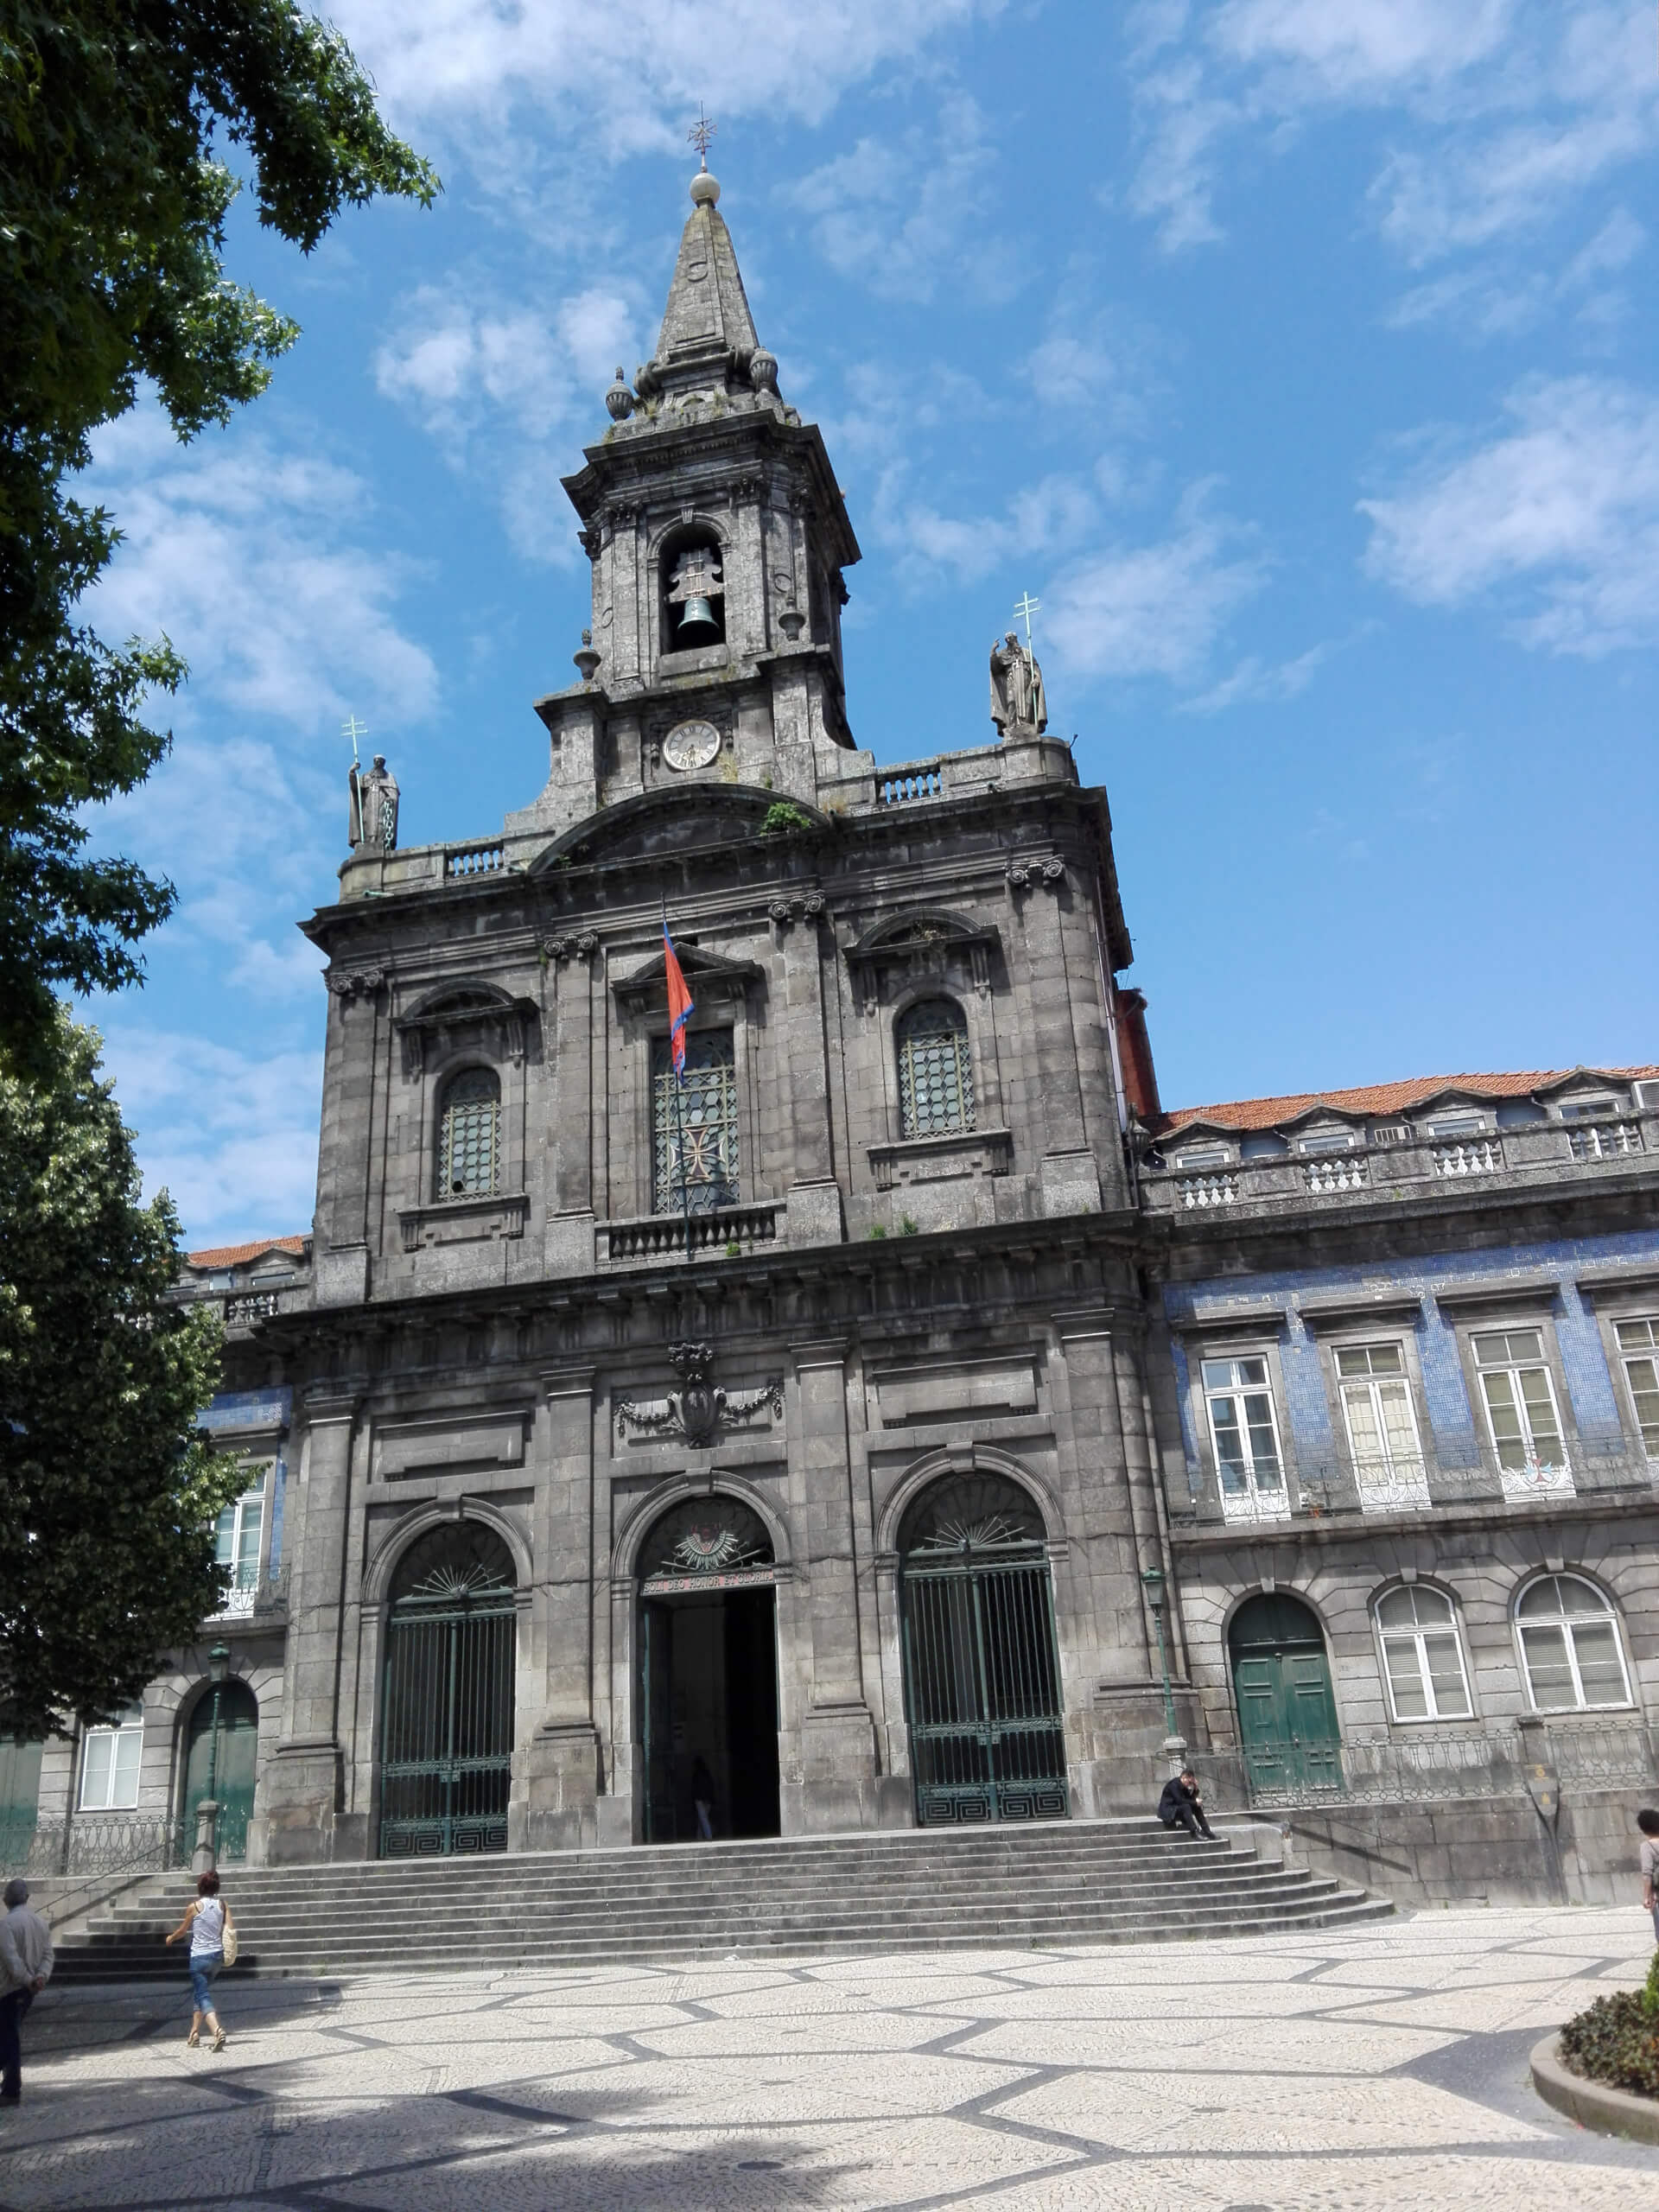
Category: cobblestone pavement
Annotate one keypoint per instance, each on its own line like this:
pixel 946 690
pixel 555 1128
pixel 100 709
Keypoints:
pixel 1385 2065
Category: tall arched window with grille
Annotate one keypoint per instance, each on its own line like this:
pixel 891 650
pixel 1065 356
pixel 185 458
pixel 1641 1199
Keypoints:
pixel 935 1076
pixel 469 1136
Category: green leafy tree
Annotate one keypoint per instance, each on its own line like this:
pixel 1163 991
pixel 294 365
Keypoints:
pixel 108 1492
pixel 115 119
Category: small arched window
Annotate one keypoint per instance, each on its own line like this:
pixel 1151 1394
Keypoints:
pixel 694 592
pixel 469 1137
pixel 936 1078
pixel 1570 1644
pixel 1422 1653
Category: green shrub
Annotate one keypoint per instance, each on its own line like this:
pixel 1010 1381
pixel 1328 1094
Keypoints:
pixel 1651 1994
pixel 1617 2042
pixel 878 1231
pixel 782 818
pixel 908 1227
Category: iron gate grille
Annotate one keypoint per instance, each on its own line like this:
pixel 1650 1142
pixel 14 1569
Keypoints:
pixel 447 1736
pixel 981 1688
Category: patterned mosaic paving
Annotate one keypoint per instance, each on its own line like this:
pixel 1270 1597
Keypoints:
pixel 1380 2067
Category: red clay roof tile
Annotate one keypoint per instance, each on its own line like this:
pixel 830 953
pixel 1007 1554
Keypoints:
pixel 236 1255
pixel 1379 1098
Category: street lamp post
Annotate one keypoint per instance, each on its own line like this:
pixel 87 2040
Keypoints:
pixel 206 1854
pixel 1153 1581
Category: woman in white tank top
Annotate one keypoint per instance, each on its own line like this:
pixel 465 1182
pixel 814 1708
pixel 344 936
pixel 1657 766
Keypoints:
pixel 206 1920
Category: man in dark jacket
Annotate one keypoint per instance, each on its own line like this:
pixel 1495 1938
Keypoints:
pixel 1180 1802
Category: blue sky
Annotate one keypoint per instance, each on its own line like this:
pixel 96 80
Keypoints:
pixel 1299 355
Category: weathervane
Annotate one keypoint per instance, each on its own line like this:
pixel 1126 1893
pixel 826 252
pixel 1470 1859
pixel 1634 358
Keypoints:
pixel 1025 607
pixel 700 133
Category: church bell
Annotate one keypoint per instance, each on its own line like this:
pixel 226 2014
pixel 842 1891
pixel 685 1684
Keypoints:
pixel 696 620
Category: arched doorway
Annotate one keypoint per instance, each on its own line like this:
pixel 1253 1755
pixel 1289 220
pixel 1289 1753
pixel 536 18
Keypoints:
pixel 1286 1711
pixel 446 1740
pixel 220 1760
pixel 982 1670
pixel 708 1672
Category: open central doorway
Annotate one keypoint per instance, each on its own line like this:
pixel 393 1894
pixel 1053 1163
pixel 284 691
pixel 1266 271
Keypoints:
pixel 709 1673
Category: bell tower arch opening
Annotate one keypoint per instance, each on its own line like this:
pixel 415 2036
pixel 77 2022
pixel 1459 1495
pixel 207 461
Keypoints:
pixel 692 590
pixel 708 1690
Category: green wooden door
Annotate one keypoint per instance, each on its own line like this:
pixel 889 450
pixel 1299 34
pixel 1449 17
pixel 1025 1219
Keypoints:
pixel 20 1790
pixel 221 1762
pixel 1286 1710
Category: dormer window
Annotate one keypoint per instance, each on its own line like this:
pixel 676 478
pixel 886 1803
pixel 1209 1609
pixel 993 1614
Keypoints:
pixel 1463 1122
pixel 1202 1156
pixel 1328 1140
pixel 1588 1109
pixel 694 595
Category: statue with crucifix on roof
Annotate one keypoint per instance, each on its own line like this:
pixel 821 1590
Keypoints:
pixel 1017 700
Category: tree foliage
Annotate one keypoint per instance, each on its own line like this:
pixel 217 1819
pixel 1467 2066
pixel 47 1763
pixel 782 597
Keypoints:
pixel 108 1492
pixel 115 119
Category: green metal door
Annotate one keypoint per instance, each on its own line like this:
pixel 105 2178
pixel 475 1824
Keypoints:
pixel 221 1762
pixel 1286 1710
pixel 20 1793
pixel 982 1691
pixel 446 1771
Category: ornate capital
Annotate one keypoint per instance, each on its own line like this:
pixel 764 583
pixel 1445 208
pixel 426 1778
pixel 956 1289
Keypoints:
pixel 1033 875
pixel 349 983
pixel 572 945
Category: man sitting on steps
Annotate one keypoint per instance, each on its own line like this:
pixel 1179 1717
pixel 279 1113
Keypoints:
pixel 1180 1802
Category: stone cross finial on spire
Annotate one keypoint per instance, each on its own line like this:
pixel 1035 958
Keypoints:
pixel 1025 607
pixel 700 133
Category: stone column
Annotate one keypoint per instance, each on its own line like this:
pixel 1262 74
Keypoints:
pixel 569 1135
pixel 563 1761
pixel 814 1194
pixel 838 1781
pixel 1070 1178
pixel 300 1787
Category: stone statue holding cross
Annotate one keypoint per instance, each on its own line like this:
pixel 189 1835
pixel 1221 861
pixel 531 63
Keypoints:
pixel 1018 701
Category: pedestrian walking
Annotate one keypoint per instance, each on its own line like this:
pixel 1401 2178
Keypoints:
pixel 1648 1820
pixel 1181 1804
pixel 25 1969
pixel 703 1796
pixel 206 1922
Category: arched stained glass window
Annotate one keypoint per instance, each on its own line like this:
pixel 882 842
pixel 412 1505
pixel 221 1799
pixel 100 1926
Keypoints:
pixel 935 1079
pixel 469 1137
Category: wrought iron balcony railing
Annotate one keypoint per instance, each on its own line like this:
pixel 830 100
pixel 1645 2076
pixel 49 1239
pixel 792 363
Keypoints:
pixel 1346 1488
pixel 1436 1763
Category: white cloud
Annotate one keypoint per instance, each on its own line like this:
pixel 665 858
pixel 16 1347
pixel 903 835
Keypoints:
pixel 1511 109
pixel 903 216
pixel 1557 514
pixel 231 1135
pixel 637 72
pixel 1154 610
pixel 250 838
pixel 501 388
pixel 245 555
pixel 1255 681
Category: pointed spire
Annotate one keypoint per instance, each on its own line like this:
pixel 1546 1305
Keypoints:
pixel 708 312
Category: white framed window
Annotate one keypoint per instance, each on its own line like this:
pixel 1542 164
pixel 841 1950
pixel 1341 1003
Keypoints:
pixel 1423 1655
pixel 1588 1109
pixel 1381 1423
pixel 1464 1123
pixel 1570 1646
pixel 1238 1398
pixel 1518 1393
pixel 1638 1345
pixel 1202 1155
pixel 109 1765
pixel 241 1528
pixel 1318 1140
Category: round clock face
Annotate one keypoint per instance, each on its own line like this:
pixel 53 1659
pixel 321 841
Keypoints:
pixel 690 745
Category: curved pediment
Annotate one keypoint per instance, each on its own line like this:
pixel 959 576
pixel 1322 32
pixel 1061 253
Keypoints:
pixel 463 1006
pixel 916 927
pixel 681 818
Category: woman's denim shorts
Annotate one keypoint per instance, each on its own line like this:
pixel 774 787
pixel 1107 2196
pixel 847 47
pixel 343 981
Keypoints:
pixel 204 1964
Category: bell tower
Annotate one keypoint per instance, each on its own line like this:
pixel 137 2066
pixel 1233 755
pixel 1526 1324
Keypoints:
pixel 718 535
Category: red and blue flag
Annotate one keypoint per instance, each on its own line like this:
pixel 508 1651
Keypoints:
pixel 680 1005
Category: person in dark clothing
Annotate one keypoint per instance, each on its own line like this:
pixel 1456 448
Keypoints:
pixel 703 1796
pixel 1179 1805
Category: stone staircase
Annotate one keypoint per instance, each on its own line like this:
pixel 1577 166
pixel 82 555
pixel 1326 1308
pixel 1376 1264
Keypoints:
pixel 1058 1882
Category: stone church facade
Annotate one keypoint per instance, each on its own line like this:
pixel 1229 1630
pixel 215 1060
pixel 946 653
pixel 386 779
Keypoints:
pixel 895 1418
